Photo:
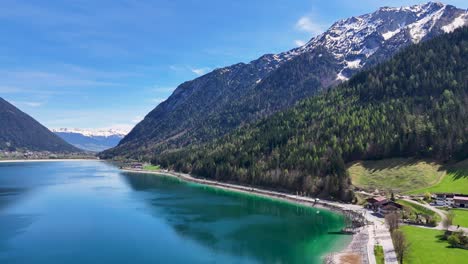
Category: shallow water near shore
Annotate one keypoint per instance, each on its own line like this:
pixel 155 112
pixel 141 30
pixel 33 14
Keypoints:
pixel 90 212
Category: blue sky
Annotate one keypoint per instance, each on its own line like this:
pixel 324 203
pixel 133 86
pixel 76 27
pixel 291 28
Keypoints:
pixel 107 63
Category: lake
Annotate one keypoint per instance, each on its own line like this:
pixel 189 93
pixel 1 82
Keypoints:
pixel 90 212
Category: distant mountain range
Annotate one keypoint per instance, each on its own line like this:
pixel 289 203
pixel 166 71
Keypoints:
pixel 228 98
pixel 91 139
pixel 20 132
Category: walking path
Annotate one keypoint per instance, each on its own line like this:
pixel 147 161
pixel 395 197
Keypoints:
pixel 436 210
pixel 380 235
pixel 443 216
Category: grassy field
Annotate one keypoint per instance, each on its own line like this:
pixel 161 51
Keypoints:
pixel 426 247
pixel 461 217
pixel 151 167
pixel 398 175
pixel 410 176
pixel 379 254
pixel 419 209
pixel 455 181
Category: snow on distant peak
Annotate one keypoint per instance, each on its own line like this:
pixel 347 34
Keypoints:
pixel 352 41
pixel 389 34
pixel 419 29
pixel 456 23
pixel 93 132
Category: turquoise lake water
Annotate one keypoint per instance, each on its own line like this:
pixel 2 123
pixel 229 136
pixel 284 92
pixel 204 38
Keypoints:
pixel 90 212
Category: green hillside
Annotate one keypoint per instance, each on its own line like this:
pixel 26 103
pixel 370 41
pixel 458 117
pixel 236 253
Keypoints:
pixel 414 105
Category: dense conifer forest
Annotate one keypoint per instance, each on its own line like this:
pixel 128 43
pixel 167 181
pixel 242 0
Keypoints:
pixel 414 105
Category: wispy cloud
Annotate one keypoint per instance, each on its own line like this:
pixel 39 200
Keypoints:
pixel 163 89
pixel 197 71
pixel 159 100
pixel 137 119
pixel 28 103
pixel 299 42
pixel 307 24
pixel 200 71
pixel 9 89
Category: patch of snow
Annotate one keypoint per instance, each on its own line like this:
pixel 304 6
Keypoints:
pixel 355 64
pixel 225 70
pixel 456 23
pixel 258 81
pixel 93 132
pixel 341 77
pixel 368 52
pixel 419 29
pixel 390 34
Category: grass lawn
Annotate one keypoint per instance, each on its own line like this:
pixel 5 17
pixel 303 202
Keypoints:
pixel 426 247
pixel 151 167
pixel 419 209
pixel 399 175
pixel 456 180
pixel 452 182
pixel 461 217
pixel 379 254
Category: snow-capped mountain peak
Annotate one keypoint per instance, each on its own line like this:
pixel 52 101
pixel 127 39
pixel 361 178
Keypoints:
pixel 93 132
pixel 354 40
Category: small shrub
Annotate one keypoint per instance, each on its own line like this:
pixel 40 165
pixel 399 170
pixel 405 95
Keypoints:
pixel 453 240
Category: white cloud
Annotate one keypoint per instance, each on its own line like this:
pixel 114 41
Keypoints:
pixel 306 24
pixel 158 100
pixel 162 89
pixel 200 71
pixel 137 119
pixel 299 42
pixel 197 71
pixel 28 103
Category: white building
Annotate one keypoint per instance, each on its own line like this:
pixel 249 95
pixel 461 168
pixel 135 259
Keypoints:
pixel 444 199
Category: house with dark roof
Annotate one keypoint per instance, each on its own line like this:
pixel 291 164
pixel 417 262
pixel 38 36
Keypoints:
pixel 374 203
pixel 389 207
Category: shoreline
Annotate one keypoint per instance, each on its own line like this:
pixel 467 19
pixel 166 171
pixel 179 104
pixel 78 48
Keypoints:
pixel 359 241
pixel 45 160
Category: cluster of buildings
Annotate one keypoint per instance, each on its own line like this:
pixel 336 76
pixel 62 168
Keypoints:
pixel 383 205
pixel 451 200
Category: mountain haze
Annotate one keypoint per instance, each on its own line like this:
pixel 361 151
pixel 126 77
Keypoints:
pixel 91 140
pixel 20 132
pixel 218 102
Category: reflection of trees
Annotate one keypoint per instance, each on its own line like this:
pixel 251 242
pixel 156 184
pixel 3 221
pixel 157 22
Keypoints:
pixel 238 224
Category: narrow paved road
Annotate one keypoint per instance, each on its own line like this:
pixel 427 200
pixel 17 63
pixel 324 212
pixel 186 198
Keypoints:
pixel 442 214
pixel 438 211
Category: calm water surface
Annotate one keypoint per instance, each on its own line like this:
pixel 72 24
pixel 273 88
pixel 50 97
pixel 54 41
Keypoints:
pixel 89 212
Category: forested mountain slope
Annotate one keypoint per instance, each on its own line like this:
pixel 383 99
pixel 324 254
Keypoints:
pixel 225 99
pixel 20 132
pixel 414 105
